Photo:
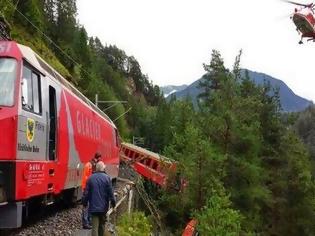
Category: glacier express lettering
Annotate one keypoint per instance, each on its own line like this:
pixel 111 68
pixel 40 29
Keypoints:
pixel 88 127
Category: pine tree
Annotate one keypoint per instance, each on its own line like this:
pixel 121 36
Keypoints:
pixel 34 12
pixel 217 217
pixel 230 120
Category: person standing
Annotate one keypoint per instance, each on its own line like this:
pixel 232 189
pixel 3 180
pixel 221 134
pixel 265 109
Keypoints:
pixel 98 193
pixel 89 168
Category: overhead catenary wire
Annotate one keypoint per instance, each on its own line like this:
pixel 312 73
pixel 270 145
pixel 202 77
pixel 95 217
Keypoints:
pixel 122 114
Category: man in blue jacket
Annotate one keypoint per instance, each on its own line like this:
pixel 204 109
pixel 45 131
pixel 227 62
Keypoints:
pixel 98 193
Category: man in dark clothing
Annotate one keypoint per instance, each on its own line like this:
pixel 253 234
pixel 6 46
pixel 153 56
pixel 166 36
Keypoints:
pixel 98 193
pixel 89 168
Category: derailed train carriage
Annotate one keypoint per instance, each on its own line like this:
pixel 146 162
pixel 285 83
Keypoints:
pixel 49 130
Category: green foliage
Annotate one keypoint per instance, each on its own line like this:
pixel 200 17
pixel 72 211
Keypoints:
pixel 231 123
pixel 7 9
pixel 134 224
pixel 22 36
pixel 200 164
pixel 237 142
pixel 290 180
pixel 66 21
pixel 218 218
pixel 34 12
pixel 305 128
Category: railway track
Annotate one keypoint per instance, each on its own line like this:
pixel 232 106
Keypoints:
pixel 59 219
pixel 52 220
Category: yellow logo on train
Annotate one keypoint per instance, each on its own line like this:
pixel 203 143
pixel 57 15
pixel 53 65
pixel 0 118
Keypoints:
pixel 30 131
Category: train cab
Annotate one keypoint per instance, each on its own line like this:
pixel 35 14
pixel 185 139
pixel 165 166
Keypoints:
pixel 49 130
pixel 23 142
pixel 10 70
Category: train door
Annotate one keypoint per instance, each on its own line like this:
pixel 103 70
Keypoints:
pixel 52 91
pixel 52 117
pixel 31 135
pixel 52 136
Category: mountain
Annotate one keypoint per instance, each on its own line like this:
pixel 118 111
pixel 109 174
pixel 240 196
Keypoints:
pixel 169 89
pixel 290 102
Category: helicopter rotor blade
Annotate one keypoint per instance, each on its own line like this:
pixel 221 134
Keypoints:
pixel 299 4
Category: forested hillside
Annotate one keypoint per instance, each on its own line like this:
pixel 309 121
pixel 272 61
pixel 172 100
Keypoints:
pixel 246 171
pixel 50 28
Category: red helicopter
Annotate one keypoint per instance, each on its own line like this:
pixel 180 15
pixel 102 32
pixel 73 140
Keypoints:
pixel 304 20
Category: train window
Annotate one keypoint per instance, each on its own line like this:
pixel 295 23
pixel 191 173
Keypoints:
pixel 155 165
pixel 36 93
pixel 7 79
pixel 27 91
pixel 31 95
pixel 131 155
pixel 148 162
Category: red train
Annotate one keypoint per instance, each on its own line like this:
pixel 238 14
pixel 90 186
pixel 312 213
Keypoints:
pixel 191 229
pixel 150 165
pixel 49 130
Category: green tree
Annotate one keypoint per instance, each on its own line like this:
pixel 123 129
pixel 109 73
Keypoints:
pixel 34 12
pixel 305 128
pixel 66 21
pixel 7 9
pixel 300 189
pixel 200 165
pixel 218 218
pixel 230 122
pixel 212 80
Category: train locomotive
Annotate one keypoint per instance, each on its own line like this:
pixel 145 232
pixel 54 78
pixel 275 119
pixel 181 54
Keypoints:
pixel 49 130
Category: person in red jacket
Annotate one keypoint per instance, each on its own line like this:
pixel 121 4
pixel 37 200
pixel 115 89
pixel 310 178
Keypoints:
pixel 88 170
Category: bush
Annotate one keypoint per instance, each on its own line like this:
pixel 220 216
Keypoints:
pixel 132 224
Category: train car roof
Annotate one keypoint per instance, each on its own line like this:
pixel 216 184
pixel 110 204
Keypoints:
pixel 147 152
pixel 43 67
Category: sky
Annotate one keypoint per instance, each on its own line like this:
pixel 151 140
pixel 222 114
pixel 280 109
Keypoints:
pixel 171 39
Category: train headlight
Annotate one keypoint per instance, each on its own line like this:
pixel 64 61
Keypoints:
pixel 3 197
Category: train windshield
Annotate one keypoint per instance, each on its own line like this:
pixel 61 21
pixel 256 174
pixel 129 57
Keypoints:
pixel 7 81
